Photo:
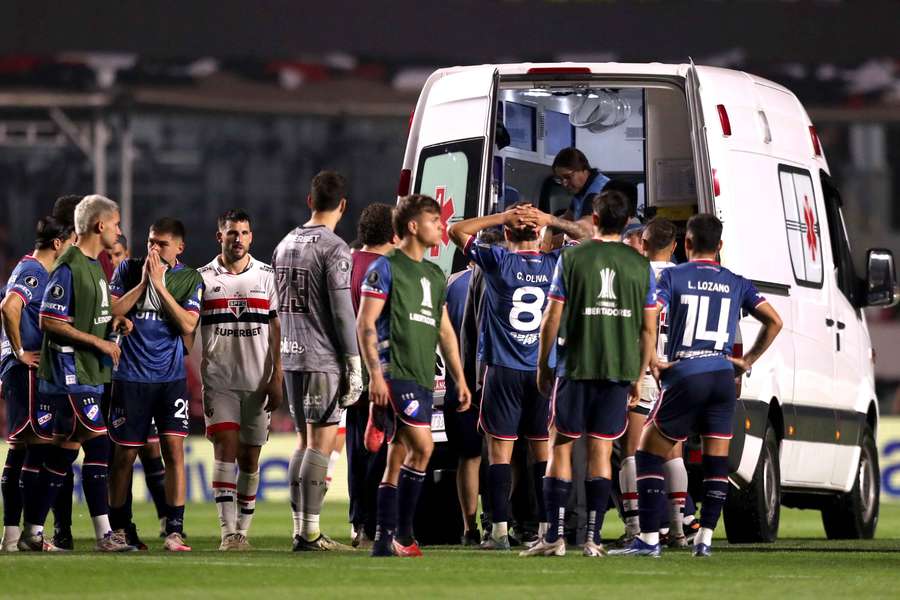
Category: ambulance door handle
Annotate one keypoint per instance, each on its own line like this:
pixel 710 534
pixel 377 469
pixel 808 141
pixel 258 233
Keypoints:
pixel 829 322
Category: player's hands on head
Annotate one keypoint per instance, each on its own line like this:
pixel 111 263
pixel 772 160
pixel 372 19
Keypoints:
pixel 274 394
pixel 30 358
pixel 545 380
pixel 741 366
pixel 378 390
pixel 465 398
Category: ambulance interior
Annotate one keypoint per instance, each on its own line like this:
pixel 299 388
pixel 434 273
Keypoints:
pixel 639 135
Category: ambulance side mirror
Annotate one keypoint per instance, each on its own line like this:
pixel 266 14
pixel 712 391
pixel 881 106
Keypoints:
pixel 881 278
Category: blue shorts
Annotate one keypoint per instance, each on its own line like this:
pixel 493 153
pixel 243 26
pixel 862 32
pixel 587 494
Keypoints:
pixel 597 407
pixel 512 405
pixel 135 408
pixel 703 403
pixel 411 404
pixel 26 408
pixel 74 408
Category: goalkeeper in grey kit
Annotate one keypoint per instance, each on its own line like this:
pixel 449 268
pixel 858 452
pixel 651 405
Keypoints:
pixel 322 368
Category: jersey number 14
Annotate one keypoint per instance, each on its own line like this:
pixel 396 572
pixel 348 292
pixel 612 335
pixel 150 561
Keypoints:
pixel 695 324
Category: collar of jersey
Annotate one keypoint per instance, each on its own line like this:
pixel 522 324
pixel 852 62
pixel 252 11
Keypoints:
pixel 223 271
pixel 707 261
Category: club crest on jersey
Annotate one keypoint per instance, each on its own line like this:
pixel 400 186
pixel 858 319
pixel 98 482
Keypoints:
pixel 92 412
pixel 237 306
pixel 607 277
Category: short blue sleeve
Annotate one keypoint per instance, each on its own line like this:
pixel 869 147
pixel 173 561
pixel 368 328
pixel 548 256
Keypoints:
pixel 487 256
pixel 117 285
pixel 751 298
pixel 29 282
pixel 664 287
pixel 57 302
pixel 377 282
pixel 650 301
pixel 192 304
pixel 558 286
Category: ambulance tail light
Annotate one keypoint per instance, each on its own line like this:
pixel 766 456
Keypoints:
pixel 737 351
pixel 403 184
pixel 724 120
pixel 817 146
pixel 716 189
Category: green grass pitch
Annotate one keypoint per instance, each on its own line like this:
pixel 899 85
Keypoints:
pixel 801 565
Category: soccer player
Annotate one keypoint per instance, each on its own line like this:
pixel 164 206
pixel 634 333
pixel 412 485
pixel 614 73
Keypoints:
pixel 375 233
pixel 401 321
pixel 658 245
pixel 607 289
pixel 75 364
pixel 704 302
pixel 161 296
pixel 517 280
pixel 119 252
pixel 28 412
pixel 241 371
pixel 319 353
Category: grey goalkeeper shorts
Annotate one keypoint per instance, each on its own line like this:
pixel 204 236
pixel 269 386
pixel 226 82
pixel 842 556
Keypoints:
pixel 313 398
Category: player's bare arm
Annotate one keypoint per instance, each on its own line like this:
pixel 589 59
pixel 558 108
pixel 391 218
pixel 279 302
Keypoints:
pixel 121 305
pixel 185 320
pixel 549 330
pixel 450 350
pixel 274 389
pixel 649 326
pixel 575 230
pixel 11 314
pixel 518 216
pixel 766 314
pixel 66 330
pixel 367 334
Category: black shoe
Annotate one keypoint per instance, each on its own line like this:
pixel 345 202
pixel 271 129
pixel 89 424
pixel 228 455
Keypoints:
pixel 132 538
pixel 62 538
pixel 471 538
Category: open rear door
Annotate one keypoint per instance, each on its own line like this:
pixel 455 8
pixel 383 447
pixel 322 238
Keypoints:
pixel 702 169
pixel 454 130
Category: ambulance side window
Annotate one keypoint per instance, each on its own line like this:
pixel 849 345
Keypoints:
pixel 450 173
pixel 845 274
pixel 801 222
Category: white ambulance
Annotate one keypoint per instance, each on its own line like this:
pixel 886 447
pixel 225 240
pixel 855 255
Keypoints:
pixel 697 139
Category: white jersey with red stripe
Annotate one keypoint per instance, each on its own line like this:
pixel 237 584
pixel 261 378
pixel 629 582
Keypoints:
pixel 234 323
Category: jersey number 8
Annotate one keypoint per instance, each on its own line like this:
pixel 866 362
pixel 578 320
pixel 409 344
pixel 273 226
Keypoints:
pixel 527 307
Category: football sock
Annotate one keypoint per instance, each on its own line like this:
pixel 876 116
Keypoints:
pixel 538 470
pixel 51 480
pixel 9 486
pixel 224 489
pixel 651 490
pixel 715 489
pixel 174 519
pixel 62 506
pixel 628 485
pixel 676 488
pixel 247 485
pixel 500 484
pixel 689 509
pixel 597 495
pixel 94 469
pixel 409 489
pixel 155 478
pixel 386 515
pixel 32 485
pixel 332 462
pixel 294 485
pixel 312 492
pixel 704 536
pixel 119 516
pixel 556 496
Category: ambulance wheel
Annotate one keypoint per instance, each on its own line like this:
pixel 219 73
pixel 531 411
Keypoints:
pixel 854 515
pixel 752 514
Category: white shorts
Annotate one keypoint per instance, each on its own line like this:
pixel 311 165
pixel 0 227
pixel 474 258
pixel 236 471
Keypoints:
pixel 649 395
pixel 239 411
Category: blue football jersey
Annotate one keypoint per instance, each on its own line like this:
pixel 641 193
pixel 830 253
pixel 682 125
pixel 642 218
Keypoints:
pixel 703 302
pixel 377 284
pixel 57 304
pixel 515 295
pixel 154 352
pixel 457 290
pixel 28 280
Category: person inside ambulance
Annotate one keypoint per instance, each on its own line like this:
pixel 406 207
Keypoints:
pixel 573 172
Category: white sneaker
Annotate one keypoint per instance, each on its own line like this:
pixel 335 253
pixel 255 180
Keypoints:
pixel 235 542
pixel 593 549
pixel 544 548
pixel 10 544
